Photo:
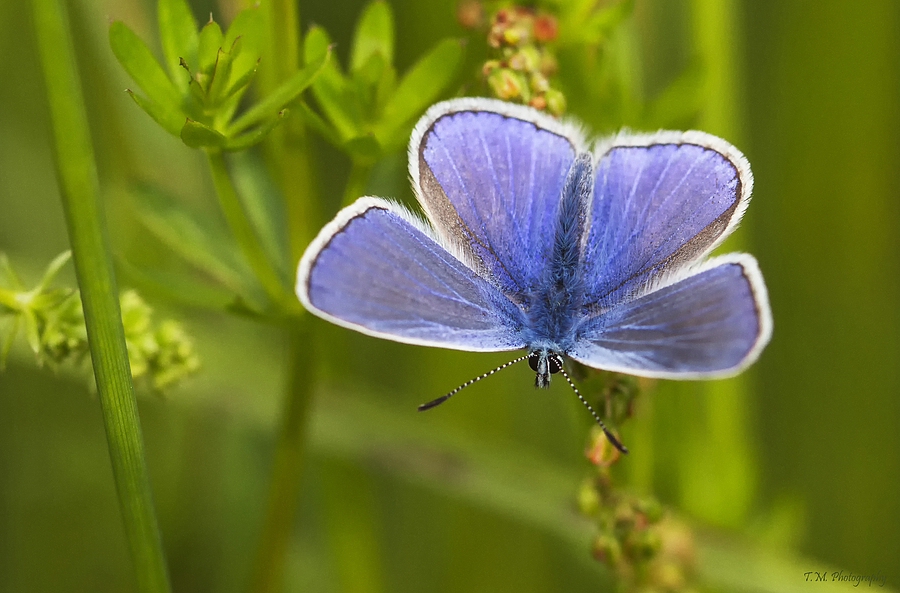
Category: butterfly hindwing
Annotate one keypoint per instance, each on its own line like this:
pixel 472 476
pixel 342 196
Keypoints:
pixel 713 322
pixel 376 269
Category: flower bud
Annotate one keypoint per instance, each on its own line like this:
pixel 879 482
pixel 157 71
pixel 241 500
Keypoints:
pixel 643 545
pixel 545 28
pixel 470 14
pixel 489 67
pixel 556 102
pixel 588 498
pixel 506 84
pixel 538 102
pixel 539 83
pixel 607 550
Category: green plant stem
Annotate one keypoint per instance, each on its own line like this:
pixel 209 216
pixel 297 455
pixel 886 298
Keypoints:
pixel 287 149
pixel 722 408
pixel 287 466
pixel 79 187
pixel 287 146
pixel 356 182
pixel 283 28
pixel 244 233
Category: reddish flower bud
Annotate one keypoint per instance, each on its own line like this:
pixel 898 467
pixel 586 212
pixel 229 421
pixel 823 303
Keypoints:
pixel 538 102
pixel 489 67
pixel 506 84
pixel 545 28
pixel 470 14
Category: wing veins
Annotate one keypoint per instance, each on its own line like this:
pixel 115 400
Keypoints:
pixel 459 298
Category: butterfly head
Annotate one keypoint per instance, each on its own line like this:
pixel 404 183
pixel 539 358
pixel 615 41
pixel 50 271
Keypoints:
pixel 544 362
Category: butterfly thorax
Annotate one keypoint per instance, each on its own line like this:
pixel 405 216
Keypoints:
pixel 555 305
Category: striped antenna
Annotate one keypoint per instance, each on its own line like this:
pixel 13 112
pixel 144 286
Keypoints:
pixel 606 431
pixel 443 398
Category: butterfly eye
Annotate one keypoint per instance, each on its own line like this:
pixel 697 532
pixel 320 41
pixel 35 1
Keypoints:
pixel 554 363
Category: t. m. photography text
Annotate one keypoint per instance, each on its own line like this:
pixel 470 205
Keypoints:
pixel 845 577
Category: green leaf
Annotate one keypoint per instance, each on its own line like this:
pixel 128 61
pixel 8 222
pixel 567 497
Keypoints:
pixel 371 83
pixel 211 41
pixel 370 74
pixel 603 22
pixel 265 208
pixel 170 118
pixel 678 105
pixel 331 89
pixel 245 235
pixel 10 273
pixel 9 301
pixel 573 12
pixel 198 240
pixel 50 299
pixel 221 75
pixel 385 88
pixel 248 27
pixel 178 34
pixel 255 136
pixel 374 35
pixel 240 83
pixel 136 58
pixel 53 269
pixel 313 120
pixel 32 330
pixel 183 288
pixel 418 89
pixel 316 44
pixel 582 22
pixel 198 91
pixel 198 135
pixel 276 101
pixel 247 24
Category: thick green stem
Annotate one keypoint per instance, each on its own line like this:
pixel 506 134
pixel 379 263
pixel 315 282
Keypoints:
pixel 287 466
pixel 243 232
pixel 721 409
pixel 76 171
pixel 287 147
pixel 288 151
pixel 291 154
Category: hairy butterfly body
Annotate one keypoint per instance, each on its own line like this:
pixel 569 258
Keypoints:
pixel 536 240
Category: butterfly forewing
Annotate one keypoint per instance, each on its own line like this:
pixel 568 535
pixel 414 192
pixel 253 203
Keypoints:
pixel 661 202
pixel 490 176
pixel 376 270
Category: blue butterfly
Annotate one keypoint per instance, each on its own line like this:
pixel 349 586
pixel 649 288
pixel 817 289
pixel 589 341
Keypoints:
pixel 536 240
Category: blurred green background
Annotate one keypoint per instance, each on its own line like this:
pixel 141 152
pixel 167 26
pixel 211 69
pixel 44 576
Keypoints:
pixel 794 467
